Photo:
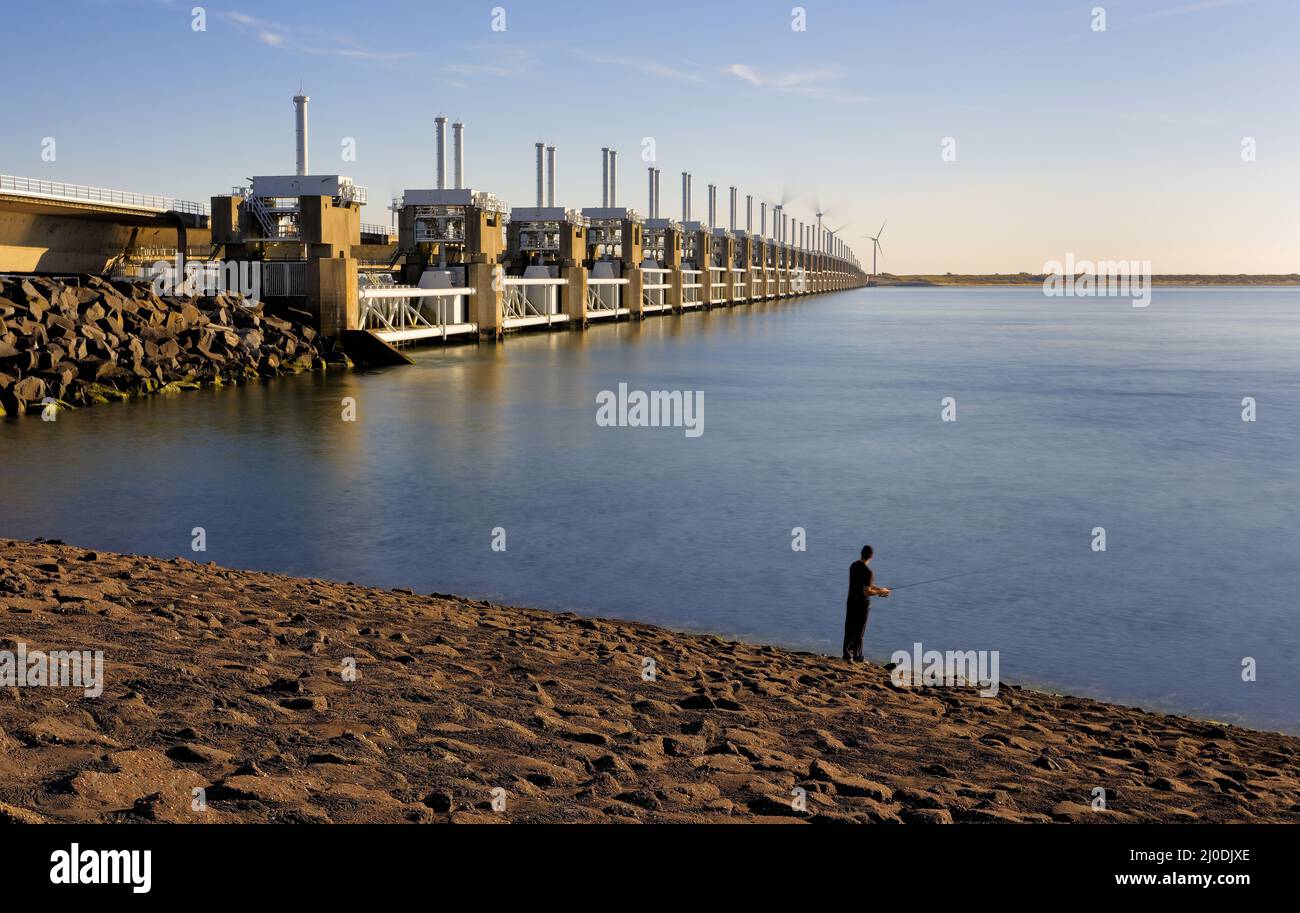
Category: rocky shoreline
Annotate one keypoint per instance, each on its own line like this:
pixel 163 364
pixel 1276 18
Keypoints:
pixel 233 696
pixel 65 344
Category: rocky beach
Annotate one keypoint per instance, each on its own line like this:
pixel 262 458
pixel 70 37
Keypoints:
pixel 237 696
pixel 77 342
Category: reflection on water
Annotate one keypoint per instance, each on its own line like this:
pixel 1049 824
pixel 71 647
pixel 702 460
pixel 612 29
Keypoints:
pixel 821 414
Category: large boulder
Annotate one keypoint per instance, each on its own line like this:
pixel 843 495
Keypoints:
pixel 91 340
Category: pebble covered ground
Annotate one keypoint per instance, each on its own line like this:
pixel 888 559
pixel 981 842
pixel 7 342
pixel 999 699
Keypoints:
pixel 228 696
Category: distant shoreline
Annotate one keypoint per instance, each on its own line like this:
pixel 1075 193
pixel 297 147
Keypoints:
pixel 996 279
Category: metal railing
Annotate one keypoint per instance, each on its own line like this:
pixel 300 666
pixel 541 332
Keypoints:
pixel 264 218
pixel 398 311
pixel 425 234
pixel 374 228
pixel 354 193
pixel 606 295
pixel 717 282
pixel 58 190
pixel 654 294
pixel 532 299
pixel 691 289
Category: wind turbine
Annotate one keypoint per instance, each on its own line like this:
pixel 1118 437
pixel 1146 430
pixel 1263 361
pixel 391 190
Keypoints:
pixel 875 246
pixel 833 233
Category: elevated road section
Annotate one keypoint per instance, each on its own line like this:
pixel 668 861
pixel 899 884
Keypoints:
pixel 57 228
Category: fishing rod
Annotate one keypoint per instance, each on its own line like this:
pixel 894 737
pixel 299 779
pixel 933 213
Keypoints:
pixel 934 580
pixel 948 577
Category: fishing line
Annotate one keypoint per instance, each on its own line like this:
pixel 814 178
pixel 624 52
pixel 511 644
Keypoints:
pixel 934 580
pixel 948 577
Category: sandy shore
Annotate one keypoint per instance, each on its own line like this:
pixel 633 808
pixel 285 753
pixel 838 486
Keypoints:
pixel 236 684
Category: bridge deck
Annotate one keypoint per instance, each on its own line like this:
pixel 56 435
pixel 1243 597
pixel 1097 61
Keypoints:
pixel 82 198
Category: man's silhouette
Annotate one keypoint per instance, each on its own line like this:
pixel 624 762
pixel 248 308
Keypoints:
pixel 861 589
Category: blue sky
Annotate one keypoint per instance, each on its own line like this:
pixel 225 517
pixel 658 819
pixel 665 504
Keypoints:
pixel 1125 143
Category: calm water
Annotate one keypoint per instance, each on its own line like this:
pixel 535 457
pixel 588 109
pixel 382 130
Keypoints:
pixel 822 414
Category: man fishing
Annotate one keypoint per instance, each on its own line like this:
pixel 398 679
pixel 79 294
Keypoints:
pixel 861 588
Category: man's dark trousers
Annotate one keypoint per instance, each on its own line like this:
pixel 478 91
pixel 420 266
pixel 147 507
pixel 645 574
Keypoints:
pixel 855 626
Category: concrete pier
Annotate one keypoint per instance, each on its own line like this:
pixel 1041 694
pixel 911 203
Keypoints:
pixel 317 233
pixel 462 265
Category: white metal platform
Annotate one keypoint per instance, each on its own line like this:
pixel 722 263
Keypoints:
pixel 531 301
pixel 389 313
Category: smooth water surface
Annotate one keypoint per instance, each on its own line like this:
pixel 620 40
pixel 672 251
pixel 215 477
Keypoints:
pixel 823 414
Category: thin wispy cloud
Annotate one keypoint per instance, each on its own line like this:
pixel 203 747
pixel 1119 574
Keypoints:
pixel 784 82
pixel 818 83
pixel 1185 121
pixel 745 73
pixel 494 61
pixel 498 71
pixel 276 35
pixel 1200 7
pixel 649 67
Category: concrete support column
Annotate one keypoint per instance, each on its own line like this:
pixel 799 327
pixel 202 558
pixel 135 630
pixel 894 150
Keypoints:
pixel 332 294
pixel 224 221
pixel 633 292
pixel 750 282
pixel 485 305
pixel 574 302
pixel 675 294
pixel 704 259
pixel 728 258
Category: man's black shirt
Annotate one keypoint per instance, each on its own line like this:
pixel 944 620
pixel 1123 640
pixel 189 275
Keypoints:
pixel 860 576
